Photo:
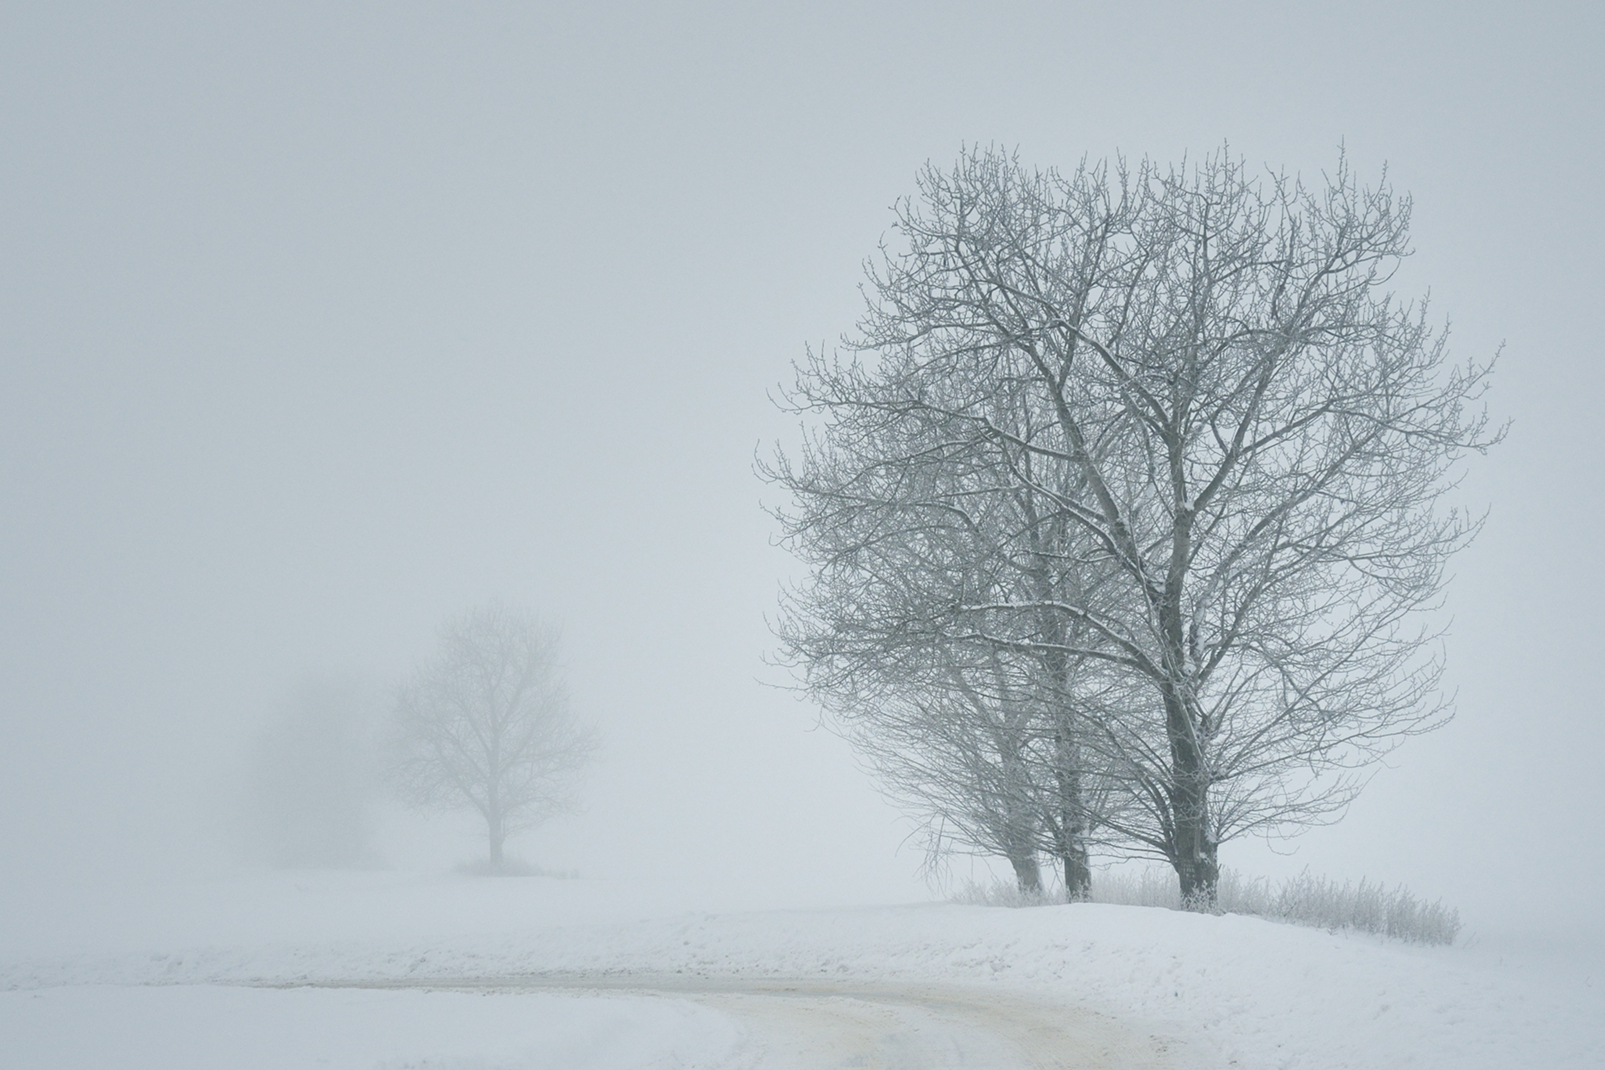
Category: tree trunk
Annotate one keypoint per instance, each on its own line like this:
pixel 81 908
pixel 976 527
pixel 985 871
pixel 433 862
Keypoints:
pixel 1027 874
pixel 1072 816
pixel 1199 877
pixel 1192 847
pixel 1070 822
pixel 1021 830
pixel 1021 851
pixel 1193 843
pixel 497 835
pixel 1077 875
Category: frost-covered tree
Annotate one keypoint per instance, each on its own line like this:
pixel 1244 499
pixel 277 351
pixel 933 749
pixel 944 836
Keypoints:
pixel 486 725
pixel 1237 438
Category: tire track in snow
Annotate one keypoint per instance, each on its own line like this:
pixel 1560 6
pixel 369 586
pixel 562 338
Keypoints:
pixel 811 1024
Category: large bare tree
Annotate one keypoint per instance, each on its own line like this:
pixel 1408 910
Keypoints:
pixel 486 724
pixel 1237 438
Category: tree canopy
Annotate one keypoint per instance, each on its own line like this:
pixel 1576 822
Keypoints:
pixel 1159 445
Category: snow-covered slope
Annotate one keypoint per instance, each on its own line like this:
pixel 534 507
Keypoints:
pixel 1223 990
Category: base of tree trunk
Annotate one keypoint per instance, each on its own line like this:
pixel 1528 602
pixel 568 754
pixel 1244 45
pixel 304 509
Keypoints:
pixel 1027 875
pixel 1077 877
pixel 1200 880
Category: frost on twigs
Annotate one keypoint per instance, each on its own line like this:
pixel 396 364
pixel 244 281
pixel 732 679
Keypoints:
pixel 1127 509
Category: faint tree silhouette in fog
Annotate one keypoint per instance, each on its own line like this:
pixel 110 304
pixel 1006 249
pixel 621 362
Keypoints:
pixel 310 782
pixel 486 725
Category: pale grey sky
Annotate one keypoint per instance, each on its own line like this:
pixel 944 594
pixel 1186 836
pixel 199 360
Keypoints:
pixel 321 322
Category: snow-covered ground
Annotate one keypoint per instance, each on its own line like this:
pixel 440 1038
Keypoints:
pixel 204 974
pixel 205 1027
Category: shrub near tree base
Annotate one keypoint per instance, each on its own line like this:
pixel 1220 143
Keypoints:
pixel 1304 900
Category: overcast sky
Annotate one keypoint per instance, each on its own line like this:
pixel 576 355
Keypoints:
pixel 321 323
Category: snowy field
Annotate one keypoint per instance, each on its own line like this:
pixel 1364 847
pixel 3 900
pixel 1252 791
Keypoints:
pixel 392 970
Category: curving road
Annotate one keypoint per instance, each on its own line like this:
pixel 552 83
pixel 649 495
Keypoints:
pixel 814 1025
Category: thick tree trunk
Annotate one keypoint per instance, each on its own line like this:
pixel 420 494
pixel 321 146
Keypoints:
pixel 1077 875
pixel 1193 843
pixel 1021 851
pixel 1192 848
pixel 1199 876
pixel 1027 874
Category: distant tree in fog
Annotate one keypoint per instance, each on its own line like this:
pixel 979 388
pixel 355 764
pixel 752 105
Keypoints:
pixel 309 782
pixel 486 725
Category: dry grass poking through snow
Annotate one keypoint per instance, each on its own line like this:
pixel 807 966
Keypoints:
pixel 1304 900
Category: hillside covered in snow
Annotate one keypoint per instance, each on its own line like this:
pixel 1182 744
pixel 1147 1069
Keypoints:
pixel 391 970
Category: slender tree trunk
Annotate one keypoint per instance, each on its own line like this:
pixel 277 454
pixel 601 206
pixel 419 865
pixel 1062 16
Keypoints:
pixel 1071 820
pixel 1072 815
pixel 1071 825
pixel 1021 826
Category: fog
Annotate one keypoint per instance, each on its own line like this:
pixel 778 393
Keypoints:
pixel 320 324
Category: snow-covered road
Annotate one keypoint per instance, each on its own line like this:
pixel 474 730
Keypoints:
pixel 807 1024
